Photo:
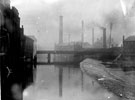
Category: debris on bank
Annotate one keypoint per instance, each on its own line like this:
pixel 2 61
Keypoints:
pixel 120 83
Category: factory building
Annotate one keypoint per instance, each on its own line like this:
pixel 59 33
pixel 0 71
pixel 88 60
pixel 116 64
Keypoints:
pixel 15 47
pixel 129 47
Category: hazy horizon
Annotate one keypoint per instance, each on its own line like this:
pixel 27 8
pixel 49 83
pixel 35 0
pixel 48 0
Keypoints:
pixel 41 19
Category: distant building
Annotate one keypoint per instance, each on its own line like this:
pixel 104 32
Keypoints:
pixel 129 47
pixel 86 45
pixel 5 2
pixel 72 46
pixel 64 57
pixel 34 44
pixel 98 43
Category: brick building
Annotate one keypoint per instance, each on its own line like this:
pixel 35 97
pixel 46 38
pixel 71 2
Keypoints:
pixel 129 47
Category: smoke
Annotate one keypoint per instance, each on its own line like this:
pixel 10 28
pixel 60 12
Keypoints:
pixel 121 25
pixel 115 21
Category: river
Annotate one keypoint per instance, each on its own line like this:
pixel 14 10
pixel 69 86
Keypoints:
pixel 65 82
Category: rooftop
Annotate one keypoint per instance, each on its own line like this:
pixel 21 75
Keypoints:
pixel 130 38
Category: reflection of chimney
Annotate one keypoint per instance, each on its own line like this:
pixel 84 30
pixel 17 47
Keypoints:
pixel 104 38
pixel 61 30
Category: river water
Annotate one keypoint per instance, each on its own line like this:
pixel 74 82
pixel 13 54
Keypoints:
pixel 65 82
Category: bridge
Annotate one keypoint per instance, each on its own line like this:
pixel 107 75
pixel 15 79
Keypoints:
pixel 100 53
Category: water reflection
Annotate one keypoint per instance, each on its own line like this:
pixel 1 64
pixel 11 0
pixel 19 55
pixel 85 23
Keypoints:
pixel 64 82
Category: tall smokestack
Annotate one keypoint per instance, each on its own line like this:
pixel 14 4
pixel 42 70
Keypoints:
pixel 104 35
pixel 82 37
pixel 111 25
pixel 69 38
pixel 92 36
pixel 123 40
pixel 104 38
pixel 61 30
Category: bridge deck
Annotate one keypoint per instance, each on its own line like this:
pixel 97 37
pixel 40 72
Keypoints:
pixel 89 51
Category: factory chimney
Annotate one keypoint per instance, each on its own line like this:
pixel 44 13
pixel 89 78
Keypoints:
pixel 111 25
pixel 92 36
pixel 60 29
pixel 69 38
pixel 123 40
pixel 82 36
pixel 104 35
pixel 104 38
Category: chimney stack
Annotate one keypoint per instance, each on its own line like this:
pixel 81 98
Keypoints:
pixel 61 30
pixel 92 36
pixel 111 26
pixel 69 38
pixel 82 37
pixel 123 40
pixel 123 37
pixel 104 38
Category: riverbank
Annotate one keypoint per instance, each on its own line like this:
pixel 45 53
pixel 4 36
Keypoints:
pixel 115 80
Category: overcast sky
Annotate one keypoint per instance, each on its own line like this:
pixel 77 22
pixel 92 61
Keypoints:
pixel 41 19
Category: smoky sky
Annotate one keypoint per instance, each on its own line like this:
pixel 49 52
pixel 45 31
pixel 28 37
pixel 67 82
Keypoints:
pixel 41 19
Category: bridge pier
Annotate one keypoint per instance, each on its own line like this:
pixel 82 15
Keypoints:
pixel 49 58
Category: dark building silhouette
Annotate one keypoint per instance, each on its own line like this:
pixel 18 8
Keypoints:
pixel 129 47
pixel 15 47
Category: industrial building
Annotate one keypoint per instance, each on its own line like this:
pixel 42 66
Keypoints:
pixel 129 47
pixel 127 57
pixel 15 47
